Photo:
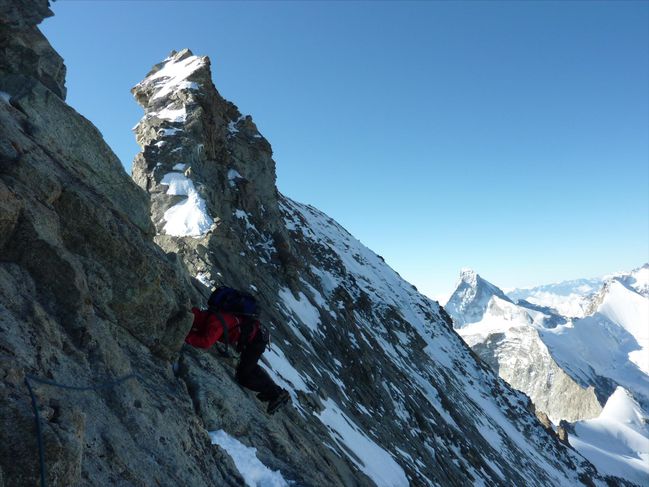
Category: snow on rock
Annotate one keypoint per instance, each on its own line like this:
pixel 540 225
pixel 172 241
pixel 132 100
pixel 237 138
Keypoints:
pixel 168 132
pixel 254 473
pixel 189 217
pixel 369 457
pixel 302 307
pixel 232 125
pixel 178 184
pixel 283 372
pixel 173 74
pixel 638 280
pixel 205 280
pixel 471 298
pixel 616 442
pixel 4 96
pixel 176 115
pixel 233 177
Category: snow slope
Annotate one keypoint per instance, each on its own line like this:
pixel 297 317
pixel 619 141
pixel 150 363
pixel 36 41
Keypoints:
pixel 617 441
pixel 344 263
pixel 630 310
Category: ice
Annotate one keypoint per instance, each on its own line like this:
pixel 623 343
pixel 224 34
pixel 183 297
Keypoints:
pixel 254 473
pixel 5 96
pixel 369 457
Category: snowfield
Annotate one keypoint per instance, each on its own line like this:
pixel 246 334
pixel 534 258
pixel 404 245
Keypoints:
pixel 610 342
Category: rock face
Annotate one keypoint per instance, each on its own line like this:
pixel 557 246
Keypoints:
pixel 85 295
pixel 519 356
pixel 383 391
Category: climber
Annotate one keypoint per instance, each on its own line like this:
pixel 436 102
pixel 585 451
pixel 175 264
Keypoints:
pixel 231 318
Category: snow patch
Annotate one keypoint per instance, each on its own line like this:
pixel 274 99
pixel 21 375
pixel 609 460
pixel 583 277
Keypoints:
pixel 173 76
pixel 176 115
pixel 178 184
pixel 168 132
pixel 190 217
pixel 254 473
pixel 369 457
pixel 5 96
pixel 302 307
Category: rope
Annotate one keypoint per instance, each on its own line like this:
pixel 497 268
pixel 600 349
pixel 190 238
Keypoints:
pixel 37 416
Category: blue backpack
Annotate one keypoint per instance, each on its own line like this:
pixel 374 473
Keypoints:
pixel 229 300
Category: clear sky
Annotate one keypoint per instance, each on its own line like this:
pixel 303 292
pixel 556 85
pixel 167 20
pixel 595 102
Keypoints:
pixel 509 137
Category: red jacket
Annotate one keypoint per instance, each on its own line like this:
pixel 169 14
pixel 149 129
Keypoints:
pixel 208 329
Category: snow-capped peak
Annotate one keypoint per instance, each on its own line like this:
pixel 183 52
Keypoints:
pixel 471 297
pixel 469 276
pixel 172 75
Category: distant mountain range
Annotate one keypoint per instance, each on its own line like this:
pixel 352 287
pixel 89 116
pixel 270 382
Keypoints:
pixel 579 349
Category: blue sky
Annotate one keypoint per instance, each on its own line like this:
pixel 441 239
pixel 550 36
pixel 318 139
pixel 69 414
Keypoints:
pixel 510 137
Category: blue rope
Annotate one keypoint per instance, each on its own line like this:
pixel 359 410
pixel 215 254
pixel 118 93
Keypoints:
pixel 37 416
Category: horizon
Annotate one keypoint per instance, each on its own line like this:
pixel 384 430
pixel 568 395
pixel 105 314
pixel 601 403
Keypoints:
pixel 494 136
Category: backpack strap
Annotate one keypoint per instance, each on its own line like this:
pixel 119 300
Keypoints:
pixel 226 338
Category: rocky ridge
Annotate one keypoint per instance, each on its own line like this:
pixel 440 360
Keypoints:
pixel 85 295
pixel 352 340
pixel 384 392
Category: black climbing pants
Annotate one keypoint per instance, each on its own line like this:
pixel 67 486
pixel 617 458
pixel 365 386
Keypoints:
pixel 250 374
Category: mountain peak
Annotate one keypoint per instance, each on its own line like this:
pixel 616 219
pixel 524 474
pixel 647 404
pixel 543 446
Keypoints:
pixel 471 297
pixel 469 276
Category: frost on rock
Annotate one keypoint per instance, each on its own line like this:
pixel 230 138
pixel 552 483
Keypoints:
pixel 190 217
pixel 254 473
pixel 369 457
